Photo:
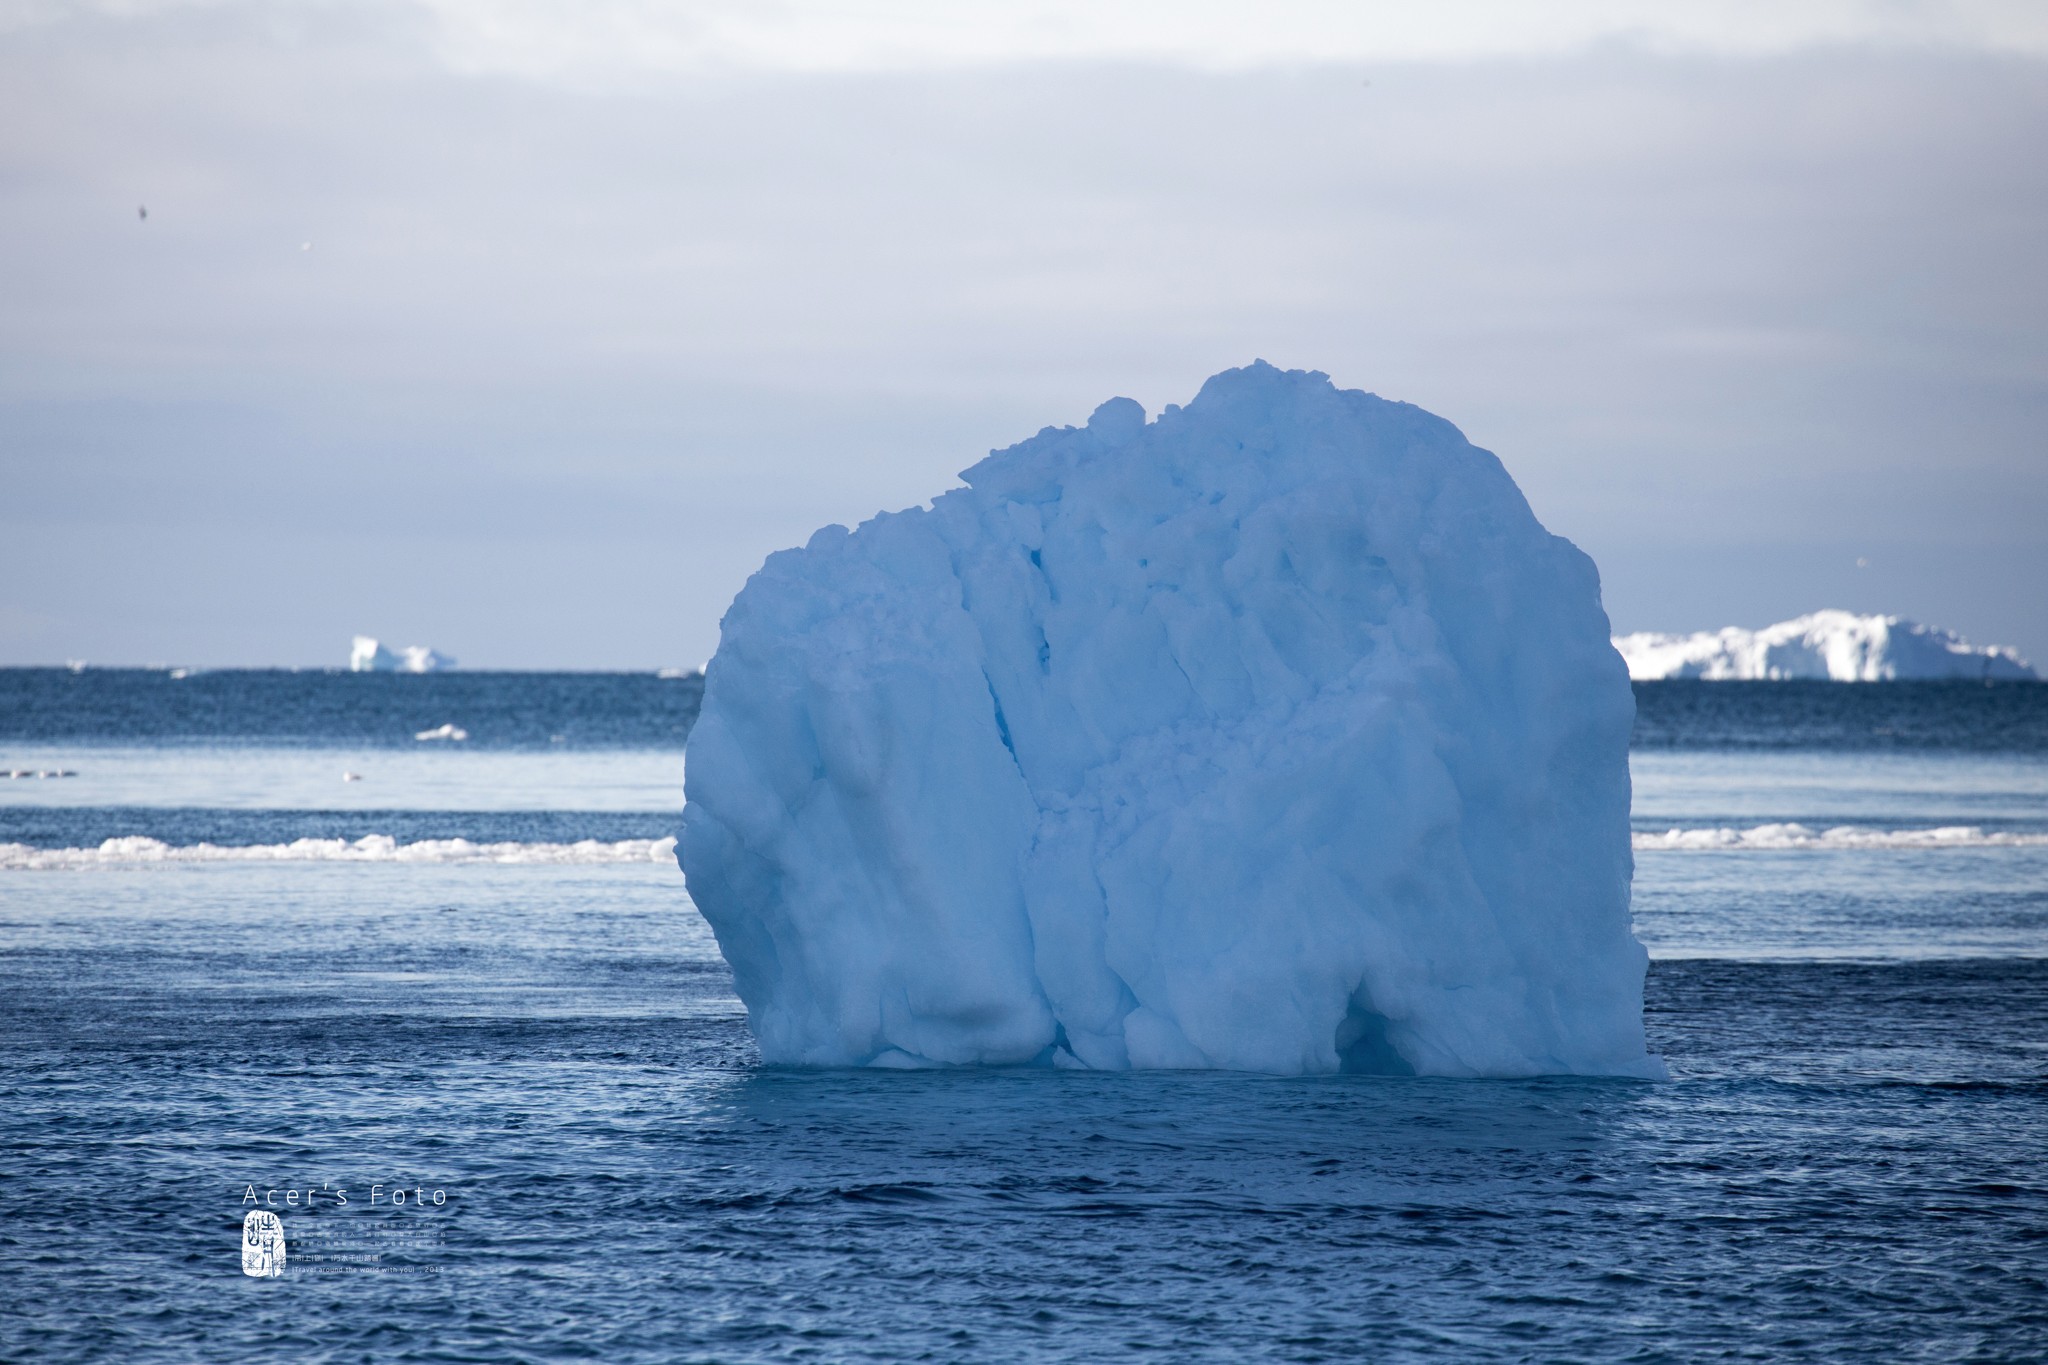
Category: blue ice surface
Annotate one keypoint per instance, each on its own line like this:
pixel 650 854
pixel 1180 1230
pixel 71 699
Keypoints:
pixel 1276 734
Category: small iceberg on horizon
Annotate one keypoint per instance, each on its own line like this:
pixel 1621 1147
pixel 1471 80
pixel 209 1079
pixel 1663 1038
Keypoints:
pixel 369 655
pixel 1837 646
pixel 1272 735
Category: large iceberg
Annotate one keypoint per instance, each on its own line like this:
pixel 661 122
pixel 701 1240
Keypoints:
pixel 1835 645
pixel 1275 735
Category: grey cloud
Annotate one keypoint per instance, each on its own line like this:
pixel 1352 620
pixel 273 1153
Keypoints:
pixel 562 366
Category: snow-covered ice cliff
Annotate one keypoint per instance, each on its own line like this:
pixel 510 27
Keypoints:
pixel 1275 734
pixel 1836 645
pixel 369 655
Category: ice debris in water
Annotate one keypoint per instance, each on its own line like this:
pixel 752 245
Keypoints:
pixel 1276 735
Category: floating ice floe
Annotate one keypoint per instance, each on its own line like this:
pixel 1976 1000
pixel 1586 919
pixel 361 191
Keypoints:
pixel 1275 734
pixel 1834 645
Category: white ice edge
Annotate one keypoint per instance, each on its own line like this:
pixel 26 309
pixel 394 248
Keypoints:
pixel 136 850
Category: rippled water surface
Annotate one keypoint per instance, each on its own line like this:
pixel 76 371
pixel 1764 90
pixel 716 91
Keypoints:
pixel 1848 1165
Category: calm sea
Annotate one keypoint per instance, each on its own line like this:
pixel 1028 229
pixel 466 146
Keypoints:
pixel 442 1007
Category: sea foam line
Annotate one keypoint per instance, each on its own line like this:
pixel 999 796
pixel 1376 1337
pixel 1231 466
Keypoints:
pixel 1790 836
pixel 135 850
pixel 140 850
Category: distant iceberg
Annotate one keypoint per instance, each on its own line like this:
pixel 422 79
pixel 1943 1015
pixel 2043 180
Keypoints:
pixel 1833 645
pixel 1274 735
pixel 420 659
pixel 370 656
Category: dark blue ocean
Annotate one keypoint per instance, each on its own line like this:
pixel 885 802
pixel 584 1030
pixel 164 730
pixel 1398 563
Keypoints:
pixel 442 1006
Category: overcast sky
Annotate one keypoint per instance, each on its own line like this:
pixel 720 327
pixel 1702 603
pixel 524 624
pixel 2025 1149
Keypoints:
pixel 526 331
